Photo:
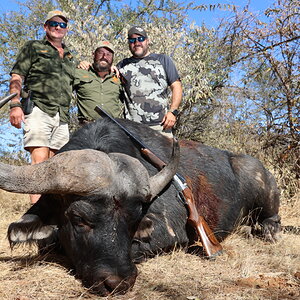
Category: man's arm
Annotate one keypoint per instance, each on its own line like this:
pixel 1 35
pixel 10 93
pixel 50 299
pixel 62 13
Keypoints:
pixel 16 115
pixel 85 65
pixel 176 89
pixel 169 119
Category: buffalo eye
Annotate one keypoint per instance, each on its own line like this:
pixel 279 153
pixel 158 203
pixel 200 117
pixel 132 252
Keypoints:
pixel 78 221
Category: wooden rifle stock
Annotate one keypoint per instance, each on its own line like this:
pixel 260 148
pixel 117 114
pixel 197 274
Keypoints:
pixel 210 244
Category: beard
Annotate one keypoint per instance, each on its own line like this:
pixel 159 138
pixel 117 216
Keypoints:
pixel 139 51
pixel 101 67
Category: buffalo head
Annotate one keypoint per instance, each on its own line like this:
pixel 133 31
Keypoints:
pixel 92 203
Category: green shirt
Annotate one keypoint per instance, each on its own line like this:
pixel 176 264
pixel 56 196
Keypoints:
pixel 92 90
pixel 48 76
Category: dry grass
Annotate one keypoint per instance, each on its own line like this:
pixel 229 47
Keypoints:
pixel 249 268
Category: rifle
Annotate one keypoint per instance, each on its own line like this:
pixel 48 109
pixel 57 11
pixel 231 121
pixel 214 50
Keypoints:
pixel 209 242
pixel 6 99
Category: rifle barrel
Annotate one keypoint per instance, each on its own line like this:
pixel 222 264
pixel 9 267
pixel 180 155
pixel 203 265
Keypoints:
pixel 6 99
pixel 102 112
pixel 148 154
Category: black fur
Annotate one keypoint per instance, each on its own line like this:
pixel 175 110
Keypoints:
pixel 102 236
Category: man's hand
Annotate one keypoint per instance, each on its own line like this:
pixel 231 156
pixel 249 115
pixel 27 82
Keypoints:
pixel 16 117
pixel 85 65
pixel 115 70
pixel 168 121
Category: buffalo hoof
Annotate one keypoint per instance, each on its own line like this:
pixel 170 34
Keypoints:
pixel 271 228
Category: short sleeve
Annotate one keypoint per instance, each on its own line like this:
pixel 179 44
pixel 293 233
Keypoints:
pixel 23 61
pixel 170 69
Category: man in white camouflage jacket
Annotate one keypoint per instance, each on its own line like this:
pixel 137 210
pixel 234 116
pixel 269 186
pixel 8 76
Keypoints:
pixel 146 77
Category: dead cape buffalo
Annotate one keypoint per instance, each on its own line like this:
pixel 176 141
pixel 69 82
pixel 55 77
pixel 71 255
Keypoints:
pixel 99 207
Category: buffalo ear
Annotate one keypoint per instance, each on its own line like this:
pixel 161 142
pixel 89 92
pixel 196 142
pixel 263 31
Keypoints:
pixel 29 229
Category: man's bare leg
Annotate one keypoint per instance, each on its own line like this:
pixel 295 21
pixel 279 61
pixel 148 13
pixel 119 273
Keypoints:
pixel 38 155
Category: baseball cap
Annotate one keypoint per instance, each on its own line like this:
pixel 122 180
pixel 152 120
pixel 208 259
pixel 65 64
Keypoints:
pixel 106 44
pixel 58 13
pixel 137 30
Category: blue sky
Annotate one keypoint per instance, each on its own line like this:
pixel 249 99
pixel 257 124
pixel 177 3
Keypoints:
pixel 209 17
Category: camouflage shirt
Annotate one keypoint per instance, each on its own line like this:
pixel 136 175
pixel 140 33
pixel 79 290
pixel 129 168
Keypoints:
pixel 91 90
pixel 146 82
pixel 48 76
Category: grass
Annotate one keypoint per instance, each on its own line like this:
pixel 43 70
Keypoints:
pixel 248 269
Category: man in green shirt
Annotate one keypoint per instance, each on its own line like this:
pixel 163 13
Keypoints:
pixel 46 68
pixel 98 86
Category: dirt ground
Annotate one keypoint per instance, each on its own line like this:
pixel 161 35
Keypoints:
pixel 248 269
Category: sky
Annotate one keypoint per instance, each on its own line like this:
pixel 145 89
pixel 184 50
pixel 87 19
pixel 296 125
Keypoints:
pixel 210 18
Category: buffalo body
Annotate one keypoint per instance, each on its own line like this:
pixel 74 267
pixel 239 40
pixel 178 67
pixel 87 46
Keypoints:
pixel 104 234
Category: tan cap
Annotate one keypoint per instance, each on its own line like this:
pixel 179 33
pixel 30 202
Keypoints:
pixel 105 44
pixel 58 13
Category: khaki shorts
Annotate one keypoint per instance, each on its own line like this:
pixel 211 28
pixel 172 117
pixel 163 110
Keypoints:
pixel 159 128
pixel 41 130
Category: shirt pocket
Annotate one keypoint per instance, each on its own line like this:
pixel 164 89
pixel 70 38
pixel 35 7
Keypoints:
pixel 86 79
pixel 87 87
pixel 45 62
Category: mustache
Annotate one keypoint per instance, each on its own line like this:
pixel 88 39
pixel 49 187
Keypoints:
pixel 100 68
pixel 102 59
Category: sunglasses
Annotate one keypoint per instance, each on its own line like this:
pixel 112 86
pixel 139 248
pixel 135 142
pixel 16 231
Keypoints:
pixel 55 24
pixel 139 39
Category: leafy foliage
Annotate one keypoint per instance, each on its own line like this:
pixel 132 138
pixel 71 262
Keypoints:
pixel 240 79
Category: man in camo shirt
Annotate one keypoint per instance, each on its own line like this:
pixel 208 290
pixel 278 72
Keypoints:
pixel 146 77
pixel 46 68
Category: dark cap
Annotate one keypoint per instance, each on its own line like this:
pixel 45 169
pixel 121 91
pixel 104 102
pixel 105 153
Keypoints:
pixel 137 30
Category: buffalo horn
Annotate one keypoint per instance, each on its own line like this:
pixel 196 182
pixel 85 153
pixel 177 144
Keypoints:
pixel 78 171
pixel 161 179
pixel 87 172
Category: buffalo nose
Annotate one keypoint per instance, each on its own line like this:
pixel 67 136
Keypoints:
pixel 117 285
pixel 112 285
pixel 103 281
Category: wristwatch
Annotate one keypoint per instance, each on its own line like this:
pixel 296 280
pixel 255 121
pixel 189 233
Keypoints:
pixel 15 104
pixel 175 112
